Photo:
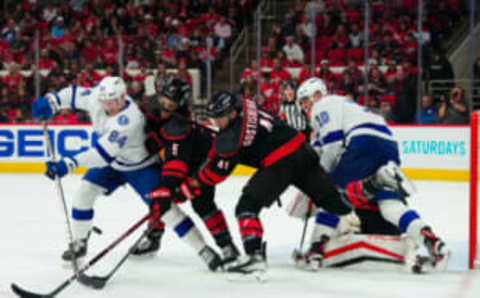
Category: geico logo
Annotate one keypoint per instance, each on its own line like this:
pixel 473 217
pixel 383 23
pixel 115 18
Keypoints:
pixel 31 143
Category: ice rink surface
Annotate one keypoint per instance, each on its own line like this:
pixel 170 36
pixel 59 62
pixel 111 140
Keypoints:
pixel 34 236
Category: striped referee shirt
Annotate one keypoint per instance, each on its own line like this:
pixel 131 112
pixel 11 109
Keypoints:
pixel 294 116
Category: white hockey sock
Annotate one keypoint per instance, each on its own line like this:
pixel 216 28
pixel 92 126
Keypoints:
pixel 325 225
pixel 407 220
pixel 82 208
pixel 176 219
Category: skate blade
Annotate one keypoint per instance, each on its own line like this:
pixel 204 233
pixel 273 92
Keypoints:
pixel 259 276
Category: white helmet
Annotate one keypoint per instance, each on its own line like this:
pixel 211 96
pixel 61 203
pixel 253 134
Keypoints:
pixel 310 87
pixel 111 88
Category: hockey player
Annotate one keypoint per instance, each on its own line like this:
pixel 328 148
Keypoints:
pixel 358 150
pixel 253 137
pixel 186 147
pixel 119 156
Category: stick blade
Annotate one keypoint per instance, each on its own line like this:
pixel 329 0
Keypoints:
pixel 26 294
pixel 95 282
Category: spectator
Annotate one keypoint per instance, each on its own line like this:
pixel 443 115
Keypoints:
pixel 377 87
pixel 324 72
pixel 250 74
pixel 440 68
pixel 58 29
pixel 269 100
pixel 278 74
pixel 355 72
pixel 346 84
pixel 49 12
pixel 223 33
pixel 184 51
pixel 454 111
pixel 293 51
pixel 340 39
pixel 288 27
pixel 161 77
pixel 183 71
pixel 12 79
pixel 428 111
pixel 404 89
pixel 308 26
pixel 355 36
pixel 301 38
pixel 385 110
pixel 9 32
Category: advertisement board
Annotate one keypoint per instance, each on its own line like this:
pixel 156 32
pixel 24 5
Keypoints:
pixel 427 152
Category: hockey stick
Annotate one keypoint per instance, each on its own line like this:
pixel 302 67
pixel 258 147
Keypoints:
pixel 26 294
pixel 99 282
pixel 60 195
pixel 297 253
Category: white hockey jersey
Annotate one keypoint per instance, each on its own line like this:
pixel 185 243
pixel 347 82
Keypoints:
pixel 121 137
pixel 335 120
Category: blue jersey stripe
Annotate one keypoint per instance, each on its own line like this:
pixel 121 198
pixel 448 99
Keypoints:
pixel 74 95
pixel 103 153
pixel 333 136
pixel 134 163
pixel 377 127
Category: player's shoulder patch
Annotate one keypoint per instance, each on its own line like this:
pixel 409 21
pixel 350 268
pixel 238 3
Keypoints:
pixel 176 129
pixel 123 120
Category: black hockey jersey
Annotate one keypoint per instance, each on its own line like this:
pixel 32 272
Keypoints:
pixel 186 147
pixel 254 138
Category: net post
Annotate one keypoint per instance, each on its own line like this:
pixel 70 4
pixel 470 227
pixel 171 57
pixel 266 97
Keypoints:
pixel 473 190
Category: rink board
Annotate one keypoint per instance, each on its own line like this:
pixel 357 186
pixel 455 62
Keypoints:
pixel 427 152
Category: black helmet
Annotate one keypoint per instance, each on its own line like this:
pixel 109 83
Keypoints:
pixel 222 103
pixel 178 91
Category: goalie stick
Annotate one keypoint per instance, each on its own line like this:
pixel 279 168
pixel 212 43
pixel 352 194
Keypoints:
pixel 27 294
pixel 99 282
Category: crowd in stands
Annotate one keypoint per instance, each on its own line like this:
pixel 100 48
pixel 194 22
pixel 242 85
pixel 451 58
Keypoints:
pixel 391 67
pixel 79 37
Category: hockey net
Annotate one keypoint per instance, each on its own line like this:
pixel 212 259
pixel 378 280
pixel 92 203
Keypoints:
pixel 474 254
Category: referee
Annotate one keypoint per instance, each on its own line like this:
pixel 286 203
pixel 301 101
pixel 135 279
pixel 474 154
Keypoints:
pixel 291 112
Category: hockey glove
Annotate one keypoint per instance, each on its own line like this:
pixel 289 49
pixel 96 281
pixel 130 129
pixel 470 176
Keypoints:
pixel 160 200
pixel 188 190
pixel 60 168
pixel 42 109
